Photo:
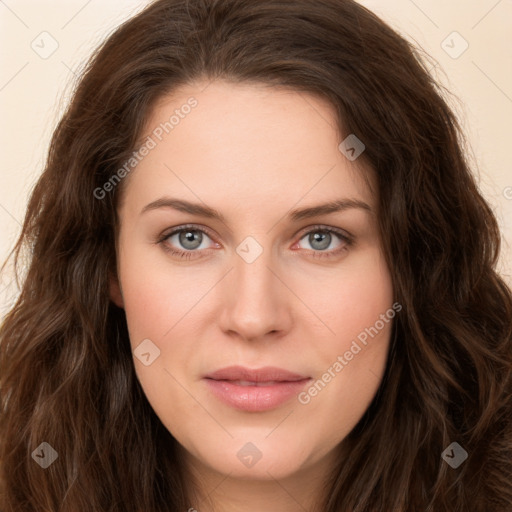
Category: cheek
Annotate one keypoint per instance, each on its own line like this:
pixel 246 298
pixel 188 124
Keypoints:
pixel 156 296
pixel 350 298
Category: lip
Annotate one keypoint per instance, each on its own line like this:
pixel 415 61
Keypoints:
pixel 266 388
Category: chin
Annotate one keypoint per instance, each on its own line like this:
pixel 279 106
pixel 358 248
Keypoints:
pixel 257 459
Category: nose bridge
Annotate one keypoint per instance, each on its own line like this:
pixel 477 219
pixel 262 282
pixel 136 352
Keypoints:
pixel 254 278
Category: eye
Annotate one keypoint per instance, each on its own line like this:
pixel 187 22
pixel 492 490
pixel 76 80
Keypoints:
pixel 190 238
pixel 320 238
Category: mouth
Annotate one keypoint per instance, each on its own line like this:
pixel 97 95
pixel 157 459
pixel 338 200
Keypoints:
pixel 255 390
pixel 260 384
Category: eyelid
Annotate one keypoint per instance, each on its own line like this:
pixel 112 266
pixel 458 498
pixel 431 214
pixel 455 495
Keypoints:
pixel 323 227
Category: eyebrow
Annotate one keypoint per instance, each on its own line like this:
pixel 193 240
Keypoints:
pixel 294 215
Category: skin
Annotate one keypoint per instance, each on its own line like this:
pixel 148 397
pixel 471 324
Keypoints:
pixel 254 153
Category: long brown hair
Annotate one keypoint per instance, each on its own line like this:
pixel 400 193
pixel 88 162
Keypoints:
pixel 66 370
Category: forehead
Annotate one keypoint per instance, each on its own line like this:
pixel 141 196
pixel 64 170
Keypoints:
pixel 242 142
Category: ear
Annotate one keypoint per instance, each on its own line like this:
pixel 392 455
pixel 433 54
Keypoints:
pixel 116 295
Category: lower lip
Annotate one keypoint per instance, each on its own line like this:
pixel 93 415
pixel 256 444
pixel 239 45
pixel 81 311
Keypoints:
pixel 255 398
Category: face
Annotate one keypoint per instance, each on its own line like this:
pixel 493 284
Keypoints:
pixel 224 260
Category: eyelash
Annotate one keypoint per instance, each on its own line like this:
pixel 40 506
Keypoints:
pixel 347 239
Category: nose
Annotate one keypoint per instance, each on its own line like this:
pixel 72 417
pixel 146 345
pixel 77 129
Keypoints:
pixel 256 300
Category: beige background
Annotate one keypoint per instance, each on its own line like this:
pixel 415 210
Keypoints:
pixel 34 86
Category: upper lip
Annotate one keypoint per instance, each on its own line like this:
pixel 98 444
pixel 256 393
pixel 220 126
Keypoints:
pixel 265 374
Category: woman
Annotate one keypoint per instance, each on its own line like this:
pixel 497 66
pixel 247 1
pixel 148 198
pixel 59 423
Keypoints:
pixel 262 278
